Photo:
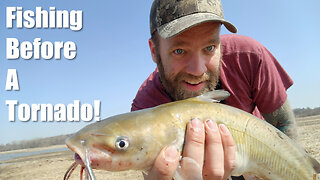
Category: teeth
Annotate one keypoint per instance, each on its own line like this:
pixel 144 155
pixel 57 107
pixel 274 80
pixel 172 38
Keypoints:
pixel 193 83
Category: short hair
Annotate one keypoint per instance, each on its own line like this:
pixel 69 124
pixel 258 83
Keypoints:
pixel 155 39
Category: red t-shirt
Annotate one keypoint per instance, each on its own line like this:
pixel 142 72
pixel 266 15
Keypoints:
pixel 249 72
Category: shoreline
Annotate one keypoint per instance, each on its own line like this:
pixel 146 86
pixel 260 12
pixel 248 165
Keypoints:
pixel 33 149
pixel 9 157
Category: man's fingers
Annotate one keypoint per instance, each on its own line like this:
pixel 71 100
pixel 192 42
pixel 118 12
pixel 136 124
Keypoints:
pixel 214 162
pixel 229 149
pixel 194 143
pixel 165 164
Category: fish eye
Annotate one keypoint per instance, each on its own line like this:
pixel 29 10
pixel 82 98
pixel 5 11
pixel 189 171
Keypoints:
pixel 122 143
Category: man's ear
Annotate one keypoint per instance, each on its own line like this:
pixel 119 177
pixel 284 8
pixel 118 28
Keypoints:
pixel 153 50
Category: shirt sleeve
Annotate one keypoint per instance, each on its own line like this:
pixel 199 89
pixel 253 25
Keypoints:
pixel 270 83
pixel 150 94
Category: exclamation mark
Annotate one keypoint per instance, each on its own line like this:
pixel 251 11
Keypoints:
pixel 97 109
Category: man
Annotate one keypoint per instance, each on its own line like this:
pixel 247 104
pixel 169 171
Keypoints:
pixel 192 58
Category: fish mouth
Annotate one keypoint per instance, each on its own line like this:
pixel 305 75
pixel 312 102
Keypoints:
pixel 89 161
pixel 78 159
pixel 87 157
pixel 85 165
pixel 96 156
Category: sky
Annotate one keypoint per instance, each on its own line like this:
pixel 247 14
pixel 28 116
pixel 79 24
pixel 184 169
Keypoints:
pixel 113 57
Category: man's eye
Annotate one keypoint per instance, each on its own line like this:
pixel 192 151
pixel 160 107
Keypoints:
pixel 210 48
pixel 179 51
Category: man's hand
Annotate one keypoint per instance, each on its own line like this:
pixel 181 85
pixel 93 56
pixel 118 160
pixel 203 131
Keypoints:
pixel 209 146
pixel 165 164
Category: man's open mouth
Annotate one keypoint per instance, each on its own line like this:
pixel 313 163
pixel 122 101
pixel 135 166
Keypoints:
pixel 194 85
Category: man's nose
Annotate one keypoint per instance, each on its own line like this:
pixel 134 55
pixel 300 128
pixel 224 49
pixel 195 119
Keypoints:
pixel 196 65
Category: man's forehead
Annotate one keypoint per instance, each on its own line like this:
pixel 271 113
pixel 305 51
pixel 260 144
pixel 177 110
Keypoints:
pixel 186 41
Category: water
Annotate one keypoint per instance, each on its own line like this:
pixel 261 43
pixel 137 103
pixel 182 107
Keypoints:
pixel 9 156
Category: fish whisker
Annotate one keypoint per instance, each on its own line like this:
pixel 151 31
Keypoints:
pixel 81 172
pixel 88 167
pixel 86 174
pixel 70 170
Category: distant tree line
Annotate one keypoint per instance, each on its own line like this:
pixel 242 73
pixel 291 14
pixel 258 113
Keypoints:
pixel 304 112
pixel 40 142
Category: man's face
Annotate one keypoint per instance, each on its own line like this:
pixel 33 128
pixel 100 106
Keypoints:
pixel 189 63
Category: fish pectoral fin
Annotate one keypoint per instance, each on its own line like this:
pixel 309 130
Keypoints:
pixel 315 164
pixel 188 169
pixel 214 96
pixel 145 174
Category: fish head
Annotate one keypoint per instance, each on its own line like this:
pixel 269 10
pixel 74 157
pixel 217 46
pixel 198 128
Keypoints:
pixel 115 144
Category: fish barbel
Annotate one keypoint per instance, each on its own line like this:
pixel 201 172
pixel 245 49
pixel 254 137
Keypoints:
pixel 133 140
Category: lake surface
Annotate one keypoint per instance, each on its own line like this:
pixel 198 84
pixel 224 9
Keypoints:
pixel 9 156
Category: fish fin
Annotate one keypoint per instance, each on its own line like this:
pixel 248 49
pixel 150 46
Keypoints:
pixel 242 161
pixel 177 176
pixel 188 169
pixel 145 174
pixel 315 164
pixel 214 96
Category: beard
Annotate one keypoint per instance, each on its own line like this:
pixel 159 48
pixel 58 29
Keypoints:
pixel 174 87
